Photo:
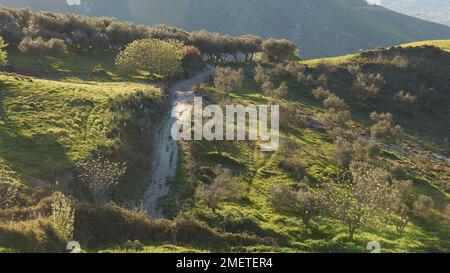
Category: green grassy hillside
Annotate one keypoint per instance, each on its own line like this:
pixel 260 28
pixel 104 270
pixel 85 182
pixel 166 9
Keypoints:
pixel 443 44
pixel 257 173
pixel 57 111
pixel 60 111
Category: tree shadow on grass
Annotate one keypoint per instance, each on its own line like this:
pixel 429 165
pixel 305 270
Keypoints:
pixel 39 155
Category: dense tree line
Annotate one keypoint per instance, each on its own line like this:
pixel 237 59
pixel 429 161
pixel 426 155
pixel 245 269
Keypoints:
pixel 35 29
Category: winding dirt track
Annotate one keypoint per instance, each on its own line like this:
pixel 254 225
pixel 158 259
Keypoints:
pixel 165 157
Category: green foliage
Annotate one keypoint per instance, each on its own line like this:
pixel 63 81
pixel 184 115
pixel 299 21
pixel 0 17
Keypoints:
pixel 361 200
pixel 228 79
pixel 383 128
pixel 63 216
pixel 279 50
pixel 3 55
pixel 305 203
pixel 154 56
pixel 219 189
pixel 56 47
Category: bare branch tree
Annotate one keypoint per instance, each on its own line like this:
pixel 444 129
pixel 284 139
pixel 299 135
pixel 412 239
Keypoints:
pixel 8 194
pixel 100 175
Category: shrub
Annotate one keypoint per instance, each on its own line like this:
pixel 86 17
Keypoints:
pixel 192 59
pixel 63 216
pixel 348 151
pixel 304 203
pixel 343 153
pixel 56 47
pixel 333 101
pixel 293 165
pixel 8 194
pixel 98 70
pixel 3 55
pixel 368 86
pixel 353 69
pixel 290 117
pixel 279 50
pixel 321 94
pixel 261 75
pixel 324 67
pixel 423 207
pixel 383 128
pixel 35 236
pixel 135 245
pixel 228 79
pixel 277 93
pixel 405 97
pixel 333 118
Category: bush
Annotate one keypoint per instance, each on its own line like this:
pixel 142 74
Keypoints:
pixel 334 118
pixel 343 153
pixel 3 56
pixel 321 94
pixel 405 97
pixel 293 165
pixel 279 50
pixel 262 75
pixel 63 216
pixel 52 47
pixel 423 207
pixel 135 245
pixel 304 203
pixel 98 70
pixel 383 128
pixel 368 86
pixel 228 79
pixel 359 150
pixel 333 101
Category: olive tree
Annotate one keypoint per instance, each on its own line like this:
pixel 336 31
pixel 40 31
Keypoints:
pixel 157 57
pixel 279 50
pixel 361 199
pixel 304 203
pixel 218 190
pixel 383 127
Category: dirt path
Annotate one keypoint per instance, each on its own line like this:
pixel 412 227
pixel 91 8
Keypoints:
pixel 165 157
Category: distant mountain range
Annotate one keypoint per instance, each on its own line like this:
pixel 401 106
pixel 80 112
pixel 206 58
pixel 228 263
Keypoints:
pixel 321 27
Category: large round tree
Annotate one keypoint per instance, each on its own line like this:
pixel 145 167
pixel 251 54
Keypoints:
pixel 157 57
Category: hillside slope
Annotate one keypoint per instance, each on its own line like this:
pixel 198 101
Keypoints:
pixel 56 112
pixel 433 10
pixel 322 28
